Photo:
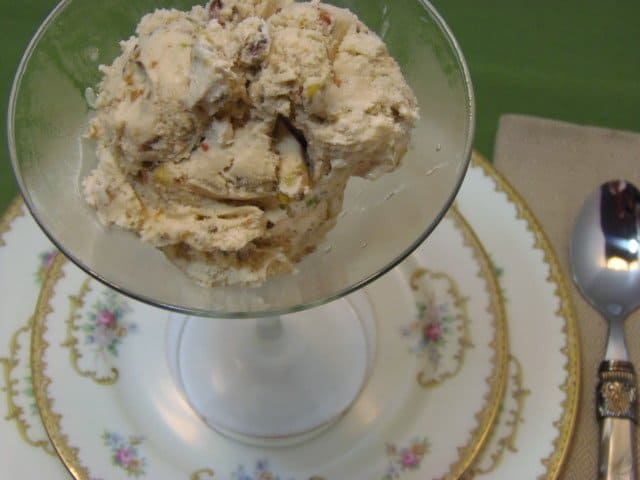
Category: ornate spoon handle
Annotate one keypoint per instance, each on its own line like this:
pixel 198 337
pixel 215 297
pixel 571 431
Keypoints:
pixel 617 401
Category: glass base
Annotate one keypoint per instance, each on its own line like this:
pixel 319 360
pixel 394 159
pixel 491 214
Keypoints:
pixel 276 381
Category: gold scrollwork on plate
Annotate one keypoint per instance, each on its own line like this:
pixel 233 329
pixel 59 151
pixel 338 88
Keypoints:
pixel 77 302
pixel 505 432
pixel 565 424
pixel 15 411
pixel 15 387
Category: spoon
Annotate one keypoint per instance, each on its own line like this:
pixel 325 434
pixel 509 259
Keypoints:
pixel 604 258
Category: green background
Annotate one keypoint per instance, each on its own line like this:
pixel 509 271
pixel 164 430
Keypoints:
pixel 572 60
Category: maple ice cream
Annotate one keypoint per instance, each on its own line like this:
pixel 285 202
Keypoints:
pixel 226 135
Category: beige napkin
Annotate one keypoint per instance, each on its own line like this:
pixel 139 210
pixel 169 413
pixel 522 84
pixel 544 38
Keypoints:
pixel 555 166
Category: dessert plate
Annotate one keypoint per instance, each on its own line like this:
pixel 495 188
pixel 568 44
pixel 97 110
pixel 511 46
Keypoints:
pixel 441 333
pixel 535 422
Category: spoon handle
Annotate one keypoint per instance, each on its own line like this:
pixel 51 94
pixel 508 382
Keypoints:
pixel 617 400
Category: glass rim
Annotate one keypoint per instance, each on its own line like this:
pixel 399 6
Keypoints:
pixel 471 107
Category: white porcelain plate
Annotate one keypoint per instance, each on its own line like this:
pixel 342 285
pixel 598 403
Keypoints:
pixel 124 425
pixel 111 406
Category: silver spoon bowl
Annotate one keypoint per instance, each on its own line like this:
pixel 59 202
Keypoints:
pixel 605 260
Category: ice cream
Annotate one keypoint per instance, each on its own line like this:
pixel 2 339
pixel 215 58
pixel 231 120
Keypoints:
pixel 226 135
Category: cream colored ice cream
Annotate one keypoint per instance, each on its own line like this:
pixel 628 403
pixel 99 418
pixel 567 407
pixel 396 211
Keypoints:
pixel 226 135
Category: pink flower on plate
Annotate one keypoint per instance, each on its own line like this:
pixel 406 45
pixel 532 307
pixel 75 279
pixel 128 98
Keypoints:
pixel 404 459
pixel 433 331
pixel 106 319
pixel 124 456
pixel 409 459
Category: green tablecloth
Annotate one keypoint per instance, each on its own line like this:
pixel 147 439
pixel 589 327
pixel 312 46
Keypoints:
pixel 576 60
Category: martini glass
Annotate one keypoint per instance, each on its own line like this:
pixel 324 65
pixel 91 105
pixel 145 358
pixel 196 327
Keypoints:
pixel 281 362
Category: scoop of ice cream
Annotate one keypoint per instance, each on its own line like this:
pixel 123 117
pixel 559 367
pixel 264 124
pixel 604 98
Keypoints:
pixel 363 115
pixel 341 88
pixel 226 135
pixel 142 95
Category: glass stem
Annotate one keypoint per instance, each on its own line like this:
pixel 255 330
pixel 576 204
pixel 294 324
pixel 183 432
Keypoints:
pixel 269 328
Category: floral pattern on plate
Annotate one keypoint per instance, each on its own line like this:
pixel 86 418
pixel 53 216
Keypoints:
pixel 125 453
pixel 96 333
pixel 106 324
pixel 405 459
pixel 440 333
